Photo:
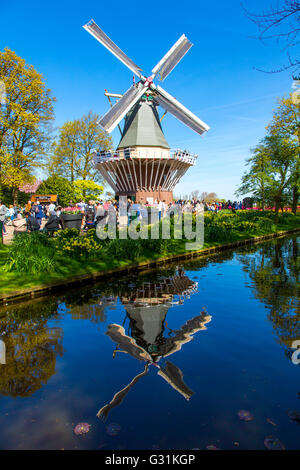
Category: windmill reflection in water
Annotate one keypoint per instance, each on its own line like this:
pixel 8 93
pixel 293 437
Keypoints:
pixel 146 308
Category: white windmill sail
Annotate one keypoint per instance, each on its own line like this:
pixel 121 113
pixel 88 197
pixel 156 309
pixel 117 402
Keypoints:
pixel 95 31
pixel 170 104
pixel 112 118
pixel 172 57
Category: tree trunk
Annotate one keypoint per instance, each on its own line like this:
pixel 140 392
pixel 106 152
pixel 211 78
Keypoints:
pixel 295 200
pixel 276 211
pixel 15 193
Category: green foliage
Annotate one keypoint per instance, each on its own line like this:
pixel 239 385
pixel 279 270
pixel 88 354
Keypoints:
pixel 60 186
pixel 273 175
pixel 124 249
pixel 31 253
pixel 225 226
pixel 129 249
pixel 25 121
pixel 69 242
pixel 86 190
pixel 6 196
pixel 71 252
pixel 72 155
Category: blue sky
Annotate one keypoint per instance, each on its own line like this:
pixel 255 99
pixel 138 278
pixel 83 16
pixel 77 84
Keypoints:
pixel 216 79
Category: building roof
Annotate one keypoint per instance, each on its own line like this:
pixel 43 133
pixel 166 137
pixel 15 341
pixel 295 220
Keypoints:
pixel 142 127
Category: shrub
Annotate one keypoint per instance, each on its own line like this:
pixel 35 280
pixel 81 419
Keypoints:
pixel 70 242
pixel 31 253
pixel 60 186
pixel 124 249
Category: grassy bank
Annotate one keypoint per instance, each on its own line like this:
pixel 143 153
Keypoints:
pixel 36 260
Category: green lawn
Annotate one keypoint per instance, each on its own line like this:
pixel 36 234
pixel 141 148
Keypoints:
pixel 220 229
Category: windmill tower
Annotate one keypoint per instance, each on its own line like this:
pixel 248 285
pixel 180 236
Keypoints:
pixel 144 167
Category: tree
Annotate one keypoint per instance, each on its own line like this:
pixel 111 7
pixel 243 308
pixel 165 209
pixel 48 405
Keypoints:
pixel 271 170
pixel 281 23
pixel 195 194
pixel 210 197
pixel 31 348
pixel 257 178
pixel 72 153
pixel 287 119
pixel 282 154
pixel 85 190
pixel 60 186
pixel 274 272
pixel 25 118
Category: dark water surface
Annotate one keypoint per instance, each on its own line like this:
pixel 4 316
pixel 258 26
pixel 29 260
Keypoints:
pixel 166 361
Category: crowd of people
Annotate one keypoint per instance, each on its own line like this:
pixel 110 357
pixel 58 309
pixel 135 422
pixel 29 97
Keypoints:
pixel 36 216
pixel 29 218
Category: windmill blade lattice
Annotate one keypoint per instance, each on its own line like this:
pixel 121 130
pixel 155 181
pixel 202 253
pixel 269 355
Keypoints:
pixel 172 57
pixel 169 103
pixel 112 118
pixel 95 31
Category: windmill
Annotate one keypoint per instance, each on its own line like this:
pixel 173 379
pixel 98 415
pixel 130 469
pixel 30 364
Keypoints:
pixel 143 166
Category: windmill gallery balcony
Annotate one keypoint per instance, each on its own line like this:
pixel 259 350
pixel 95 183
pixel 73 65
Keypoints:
pixel 151 153
pixel 144 173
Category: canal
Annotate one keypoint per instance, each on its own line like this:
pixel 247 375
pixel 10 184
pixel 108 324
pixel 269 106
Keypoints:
pixel 194 356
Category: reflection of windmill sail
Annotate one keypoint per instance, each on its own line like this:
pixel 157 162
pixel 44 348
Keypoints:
pixel 185 334
pixel 126 343
pixel 119 397
pixel 174 376
pixel 2 352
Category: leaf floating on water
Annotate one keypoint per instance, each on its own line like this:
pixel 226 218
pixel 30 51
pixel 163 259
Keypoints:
pixel 272 443
pixel 245 415
pixel 113 429
pixel 271 422
pixel 212 447
pixel 82 428
pixel 294 415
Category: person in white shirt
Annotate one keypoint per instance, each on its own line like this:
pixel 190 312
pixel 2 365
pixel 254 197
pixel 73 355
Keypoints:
pixel 81 205
pixel 160 209
pixel 2 220
pixel 51 208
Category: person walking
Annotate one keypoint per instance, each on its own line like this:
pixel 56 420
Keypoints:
pixel 2 219
pixel 90 214
pixel 51 208
pixel 32 224
pixel 28 206
pixel 39 214
pixel 101 213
